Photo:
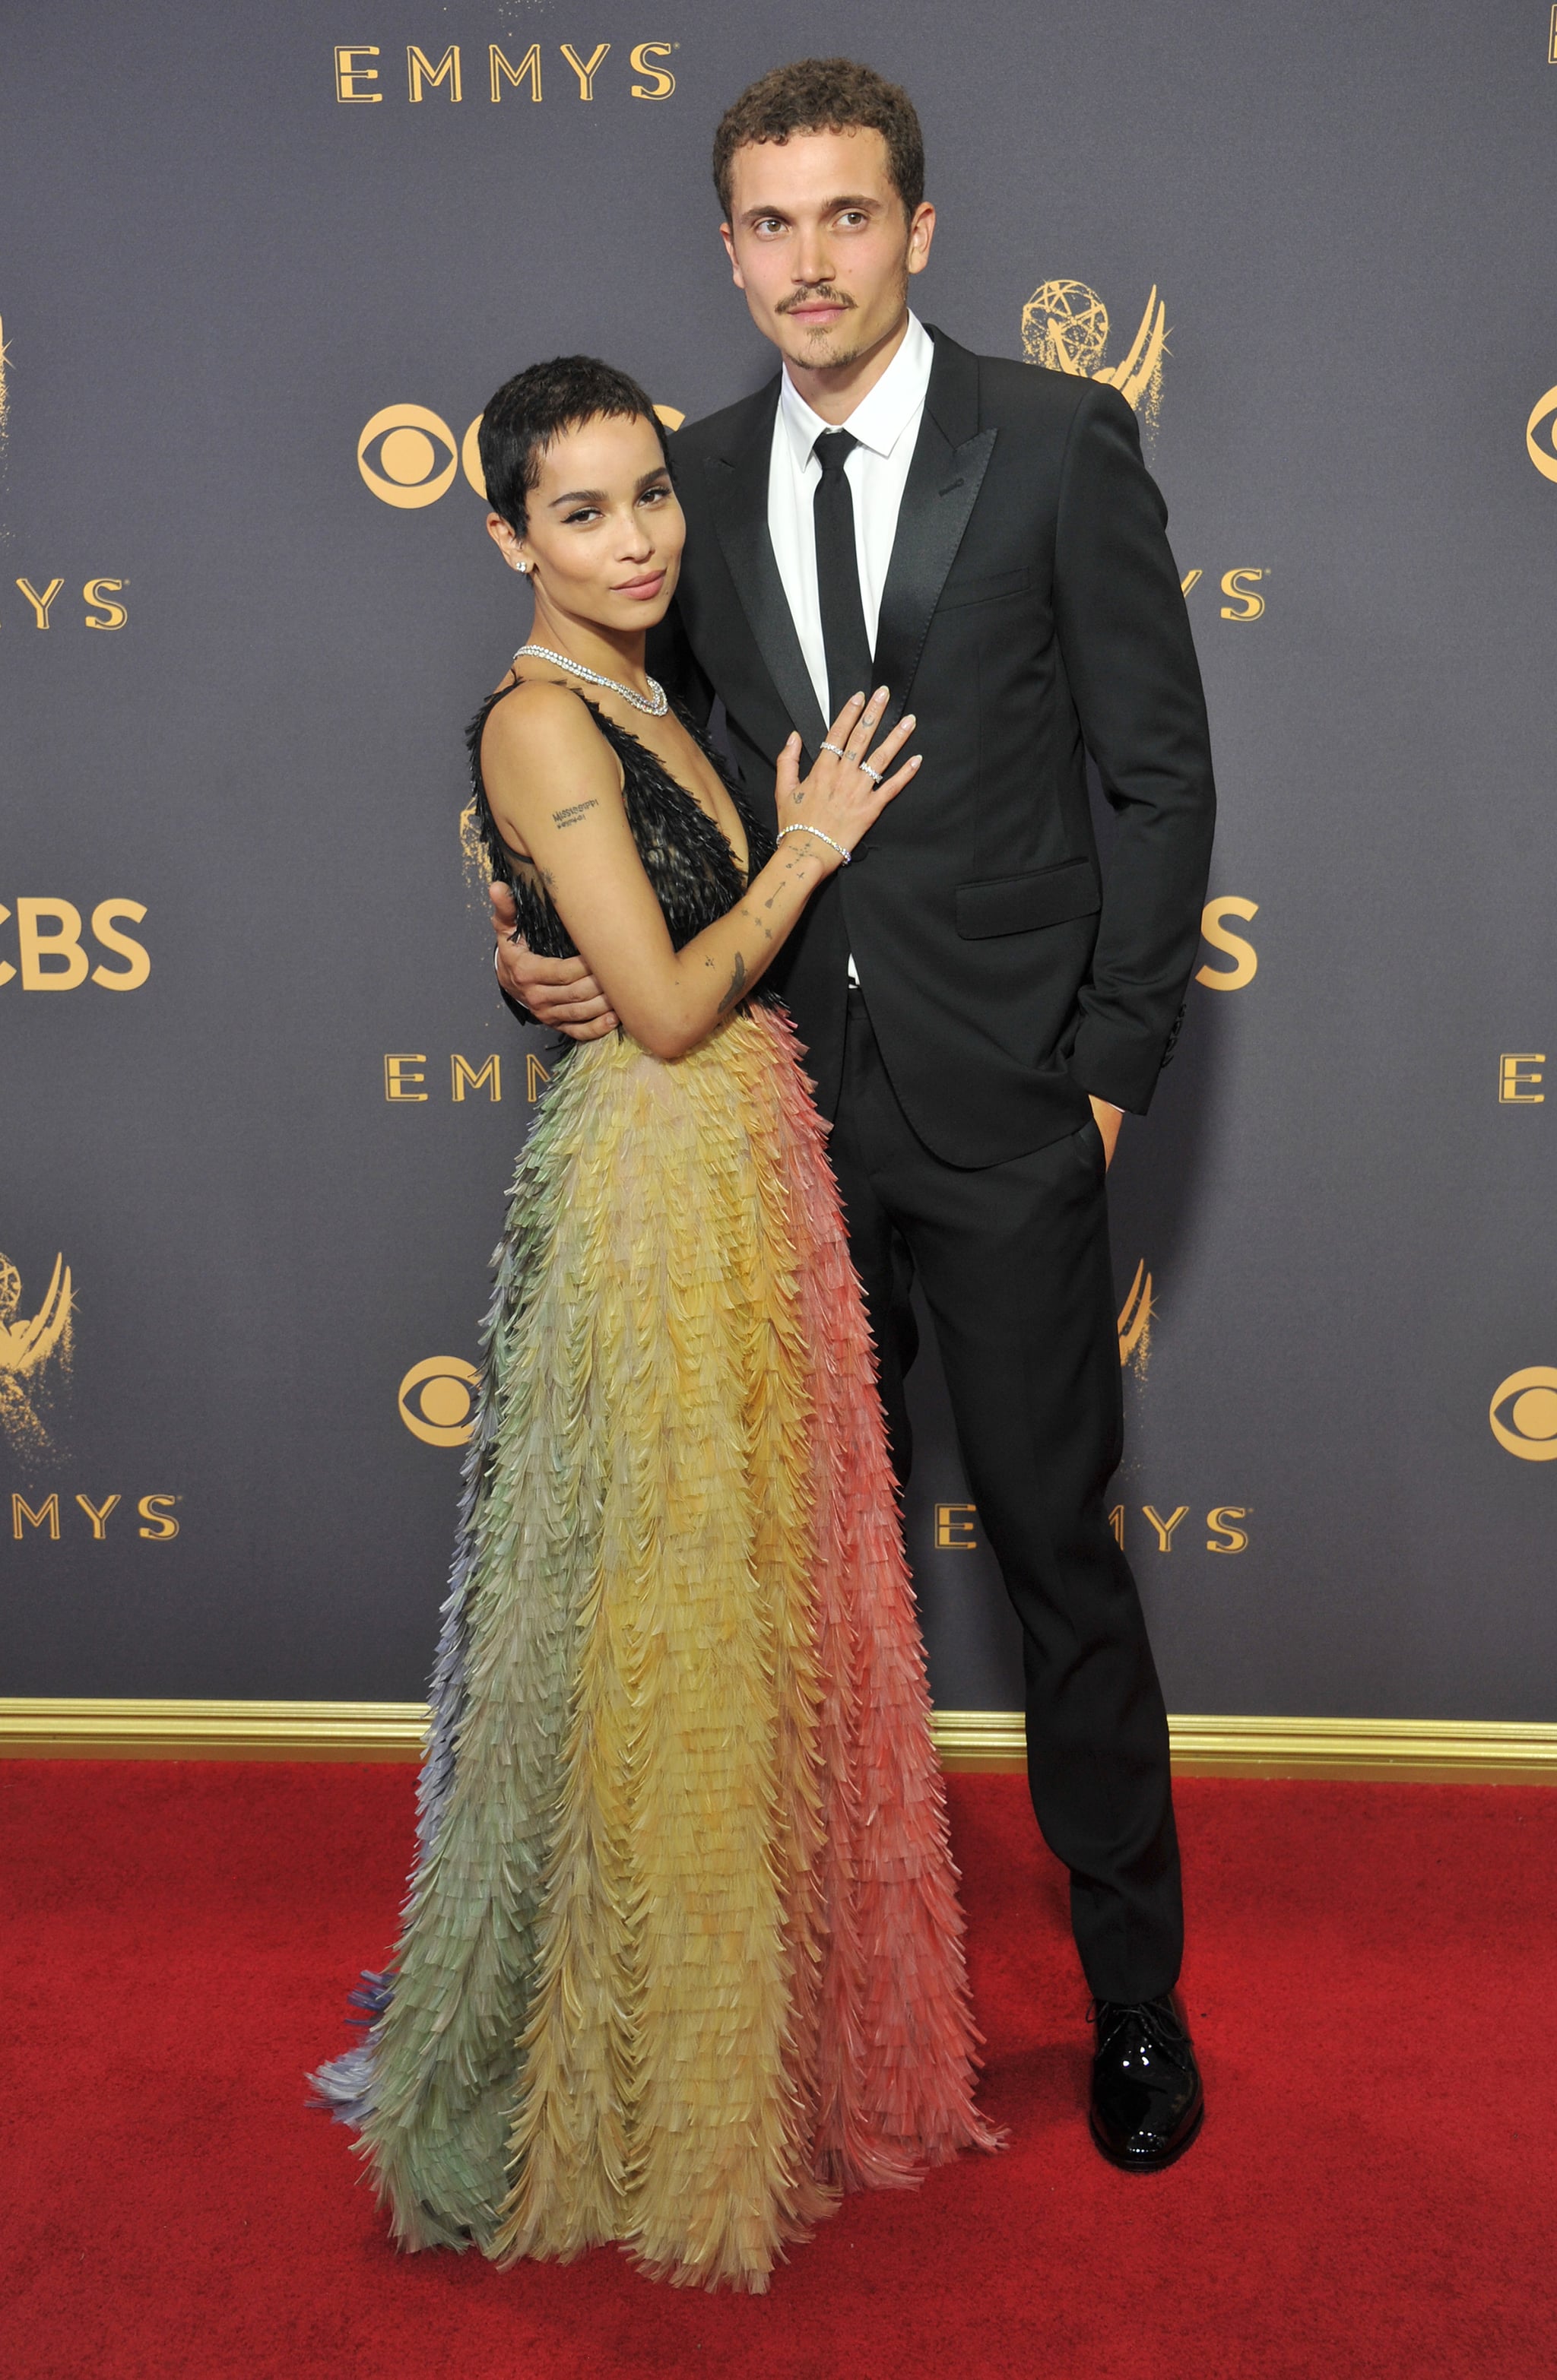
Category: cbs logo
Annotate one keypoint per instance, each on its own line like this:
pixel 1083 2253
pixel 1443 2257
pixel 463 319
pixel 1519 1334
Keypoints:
pixel 408 456
pixel 437 1400
pixel 1542 450
pixel 53 955
pixel 408 470
pixel 1530 1429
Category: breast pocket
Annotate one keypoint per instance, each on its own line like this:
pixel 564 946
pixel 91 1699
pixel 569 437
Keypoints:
pixel 1017 905
pixel 960 591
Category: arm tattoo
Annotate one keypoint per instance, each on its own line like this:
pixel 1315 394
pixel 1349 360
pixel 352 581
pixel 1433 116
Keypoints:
pixel 737 985
pixel 572 816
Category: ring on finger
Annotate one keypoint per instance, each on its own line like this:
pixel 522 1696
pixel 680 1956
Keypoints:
pixel 825 746
pixel 875 775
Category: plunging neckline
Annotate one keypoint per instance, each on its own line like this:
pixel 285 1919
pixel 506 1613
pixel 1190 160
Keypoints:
pixel 610 727
pixel 692 861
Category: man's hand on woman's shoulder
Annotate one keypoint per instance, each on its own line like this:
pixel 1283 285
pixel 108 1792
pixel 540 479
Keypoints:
pixel 559 993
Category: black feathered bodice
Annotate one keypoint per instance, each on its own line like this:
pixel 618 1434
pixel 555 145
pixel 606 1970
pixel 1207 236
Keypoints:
pixel 685 856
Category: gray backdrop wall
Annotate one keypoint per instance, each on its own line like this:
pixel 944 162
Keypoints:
pixel 240 961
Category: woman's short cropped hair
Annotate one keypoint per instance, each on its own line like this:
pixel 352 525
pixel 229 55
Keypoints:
pixel 536 407
pixel 824 95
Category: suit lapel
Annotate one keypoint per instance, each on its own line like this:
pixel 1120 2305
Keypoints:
pixel 951 456
pixel 737 487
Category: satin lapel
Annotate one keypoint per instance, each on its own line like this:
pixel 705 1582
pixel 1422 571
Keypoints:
pixel 737 487
pixel 950 459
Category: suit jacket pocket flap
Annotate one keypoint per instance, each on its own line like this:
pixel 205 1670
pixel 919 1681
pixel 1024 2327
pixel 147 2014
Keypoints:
pixel 983 591
pixel 1016 904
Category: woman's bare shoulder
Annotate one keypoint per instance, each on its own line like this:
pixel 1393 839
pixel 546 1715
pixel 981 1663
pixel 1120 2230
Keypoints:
pixel 536 723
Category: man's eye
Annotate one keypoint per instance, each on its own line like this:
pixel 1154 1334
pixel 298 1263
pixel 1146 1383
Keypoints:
pixel 852 215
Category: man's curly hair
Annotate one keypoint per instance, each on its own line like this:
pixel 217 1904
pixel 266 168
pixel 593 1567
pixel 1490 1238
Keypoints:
pixel 824 95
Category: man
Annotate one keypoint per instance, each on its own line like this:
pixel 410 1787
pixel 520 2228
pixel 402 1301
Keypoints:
pixel 981 537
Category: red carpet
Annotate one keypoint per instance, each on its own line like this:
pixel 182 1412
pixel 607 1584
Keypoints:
pixel 1372 1986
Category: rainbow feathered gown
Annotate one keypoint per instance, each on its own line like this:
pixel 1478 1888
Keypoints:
pixel 681 1956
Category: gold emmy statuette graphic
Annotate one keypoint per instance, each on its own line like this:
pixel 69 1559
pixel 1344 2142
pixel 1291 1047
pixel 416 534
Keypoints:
pixel 1543 452
pixel 438 1401
pixel 1530 1428
pixel 475 858
pixel 27 1350
pixel 1135 1323
pixel 1065 326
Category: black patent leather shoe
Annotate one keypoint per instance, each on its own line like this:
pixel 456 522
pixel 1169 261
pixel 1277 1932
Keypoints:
pixel 1147 2101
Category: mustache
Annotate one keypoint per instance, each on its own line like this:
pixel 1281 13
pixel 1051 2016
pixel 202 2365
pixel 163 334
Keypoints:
pixel 825 291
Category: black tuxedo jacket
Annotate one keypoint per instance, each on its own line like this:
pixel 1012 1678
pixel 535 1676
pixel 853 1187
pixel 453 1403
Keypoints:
pixel 1031 613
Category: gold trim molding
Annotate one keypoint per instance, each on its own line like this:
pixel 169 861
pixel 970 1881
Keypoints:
pixel 1513 1750
pixel 42 1727
pixel 1217 1745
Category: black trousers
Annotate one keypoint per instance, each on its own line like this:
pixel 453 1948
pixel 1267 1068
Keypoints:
pixel 1014 1263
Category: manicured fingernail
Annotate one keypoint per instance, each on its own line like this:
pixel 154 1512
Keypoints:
pixel 856 698
pixel 917 758
pixel 880 695
pixel 912 720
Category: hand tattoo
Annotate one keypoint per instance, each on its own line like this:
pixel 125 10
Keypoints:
pixel 571 816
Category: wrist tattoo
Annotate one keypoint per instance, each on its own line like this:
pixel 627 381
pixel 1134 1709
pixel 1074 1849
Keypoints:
pixel 571 816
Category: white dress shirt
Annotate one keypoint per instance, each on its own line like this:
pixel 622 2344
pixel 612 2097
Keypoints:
pixel 886 424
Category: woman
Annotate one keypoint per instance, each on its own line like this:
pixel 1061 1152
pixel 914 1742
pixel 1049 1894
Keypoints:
pixel 682 1953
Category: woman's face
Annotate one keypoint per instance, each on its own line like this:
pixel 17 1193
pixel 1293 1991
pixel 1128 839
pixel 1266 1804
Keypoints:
pixel 603 531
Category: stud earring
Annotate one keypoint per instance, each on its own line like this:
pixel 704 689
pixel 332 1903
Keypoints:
pixel 522 568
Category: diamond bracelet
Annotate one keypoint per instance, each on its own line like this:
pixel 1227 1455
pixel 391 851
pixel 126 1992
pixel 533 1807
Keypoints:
pixel 827 839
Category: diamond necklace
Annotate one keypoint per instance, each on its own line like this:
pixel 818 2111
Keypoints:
pixel 654 705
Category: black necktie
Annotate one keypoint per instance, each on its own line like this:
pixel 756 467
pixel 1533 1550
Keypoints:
pixel 837 574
